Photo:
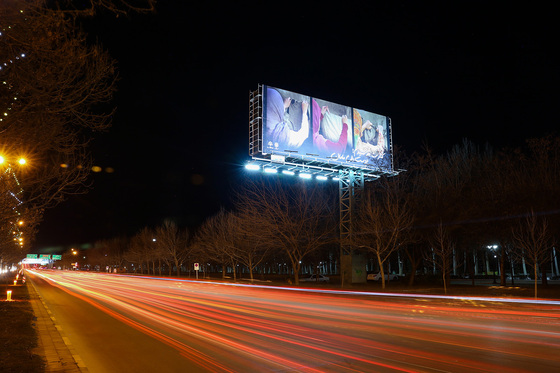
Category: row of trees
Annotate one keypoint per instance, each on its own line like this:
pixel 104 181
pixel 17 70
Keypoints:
pixel 440 214
pixel 55 92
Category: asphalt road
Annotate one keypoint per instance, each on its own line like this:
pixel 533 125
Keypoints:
pixel 124 323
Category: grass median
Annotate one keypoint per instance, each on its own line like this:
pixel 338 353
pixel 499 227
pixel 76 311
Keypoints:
pixel 18 338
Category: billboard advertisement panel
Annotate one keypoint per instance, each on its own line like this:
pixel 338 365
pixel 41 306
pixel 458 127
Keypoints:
pixel 306 127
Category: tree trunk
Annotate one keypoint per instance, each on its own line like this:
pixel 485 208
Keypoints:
pixel 178 268
pixel 381 271
pixel 512 272
pixel 502 267
pixel 536 280
pixel 296 268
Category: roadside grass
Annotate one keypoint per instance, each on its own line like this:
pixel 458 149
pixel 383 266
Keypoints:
pixel 18 338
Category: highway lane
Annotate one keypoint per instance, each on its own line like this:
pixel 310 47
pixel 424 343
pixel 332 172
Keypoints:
pixel 102 341
pixel 203 326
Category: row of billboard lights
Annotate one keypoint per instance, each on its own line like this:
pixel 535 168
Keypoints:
pixel 303 175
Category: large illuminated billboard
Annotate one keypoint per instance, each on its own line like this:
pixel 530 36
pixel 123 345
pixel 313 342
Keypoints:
pixel 309 128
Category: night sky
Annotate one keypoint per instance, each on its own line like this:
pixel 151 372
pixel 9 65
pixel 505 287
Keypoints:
pixel 485 71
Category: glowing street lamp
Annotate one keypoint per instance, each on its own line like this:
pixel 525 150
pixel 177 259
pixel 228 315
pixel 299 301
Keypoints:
pixel 493 248
pixel 21 160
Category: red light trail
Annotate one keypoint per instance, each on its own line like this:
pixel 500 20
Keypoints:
pixel 228 328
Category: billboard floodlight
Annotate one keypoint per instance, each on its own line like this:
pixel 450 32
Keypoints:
pixel 288 172
pixel 321 177
pixel 252 167
pixel 270 170
pixel 304 175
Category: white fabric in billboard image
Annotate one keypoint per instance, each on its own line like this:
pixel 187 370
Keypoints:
pixel 371 143
pixel 332 126
pixel 287 121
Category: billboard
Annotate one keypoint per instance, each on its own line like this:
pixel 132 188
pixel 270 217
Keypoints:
pixel 312 129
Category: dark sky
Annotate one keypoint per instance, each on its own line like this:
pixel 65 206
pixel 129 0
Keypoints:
pixel 443 71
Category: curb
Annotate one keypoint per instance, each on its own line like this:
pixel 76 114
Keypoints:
pixel 53 346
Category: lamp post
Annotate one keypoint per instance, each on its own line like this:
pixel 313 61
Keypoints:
pixel 493 249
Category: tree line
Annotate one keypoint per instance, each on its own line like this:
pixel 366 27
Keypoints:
pixel 443 216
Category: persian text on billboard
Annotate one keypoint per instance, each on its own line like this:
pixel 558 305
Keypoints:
pixel 299 125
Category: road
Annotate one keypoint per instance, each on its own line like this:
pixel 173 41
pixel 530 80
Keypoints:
pixel 130 323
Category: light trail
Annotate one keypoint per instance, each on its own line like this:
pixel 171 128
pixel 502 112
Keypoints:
pixel 226 327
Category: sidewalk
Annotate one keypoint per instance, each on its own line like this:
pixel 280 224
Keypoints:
pixel 52 345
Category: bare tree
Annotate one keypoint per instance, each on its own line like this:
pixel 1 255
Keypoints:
pixel 217 238
pixel 442 248
pixel 55 94
pixel 384 218
pixel 17 231
pixel 56 86
pixel 173 243
pixel 142 249
pixel 251 249
pixel 109 252
pixel 117 7
pixel 297 218
pixel 533 240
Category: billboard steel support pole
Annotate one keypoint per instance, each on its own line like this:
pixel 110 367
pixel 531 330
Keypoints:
pixel 350 187
pixel 255 121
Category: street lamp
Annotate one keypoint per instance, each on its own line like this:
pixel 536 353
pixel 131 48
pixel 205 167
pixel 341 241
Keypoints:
pixel 493 248
pixel 21 160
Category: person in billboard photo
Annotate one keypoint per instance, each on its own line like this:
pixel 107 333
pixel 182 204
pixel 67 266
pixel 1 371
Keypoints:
pixel 333 126
pixel 287 122
pixel 369 138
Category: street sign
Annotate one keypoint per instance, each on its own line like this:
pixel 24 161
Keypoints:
pixel 32 256
pixel 196 268
pixel 45 256
pixel 57 257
